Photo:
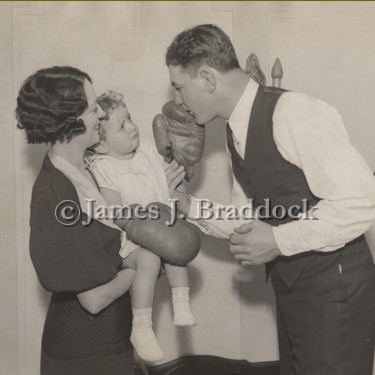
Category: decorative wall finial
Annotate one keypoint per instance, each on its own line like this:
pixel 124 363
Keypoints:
pixel 277 73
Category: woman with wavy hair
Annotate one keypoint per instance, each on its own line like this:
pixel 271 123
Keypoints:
pixel 88 323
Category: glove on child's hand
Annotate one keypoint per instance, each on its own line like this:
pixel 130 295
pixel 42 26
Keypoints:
pixel 177 244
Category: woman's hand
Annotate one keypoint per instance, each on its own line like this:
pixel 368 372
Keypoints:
pixel 96 299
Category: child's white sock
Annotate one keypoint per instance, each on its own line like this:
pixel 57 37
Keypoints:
pixel 183 315
pixel 143 336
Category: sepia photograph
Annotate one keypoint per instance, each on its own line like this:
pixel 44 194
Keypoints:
pixel 187 188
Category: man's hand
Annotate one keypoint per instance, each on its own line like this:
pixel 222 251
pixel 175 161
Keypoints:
pixel 254 243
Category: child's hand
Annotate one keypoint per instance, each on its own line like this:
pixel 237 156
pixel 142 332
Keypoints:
pixel 175 174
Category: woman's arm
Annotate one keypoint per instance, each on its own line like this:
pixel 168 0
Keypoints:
pixel 95 300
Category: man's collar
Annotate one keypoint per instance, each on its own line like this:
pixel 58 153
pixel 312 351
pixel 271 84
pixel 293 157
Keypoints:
pixel 239 119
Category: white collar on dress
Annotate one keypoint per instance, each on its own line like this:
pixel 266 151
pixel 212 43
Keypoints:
pixel 84 187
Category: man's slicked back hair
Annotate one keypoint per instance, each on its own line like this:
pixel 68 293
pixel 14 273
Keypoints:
pixel 202 45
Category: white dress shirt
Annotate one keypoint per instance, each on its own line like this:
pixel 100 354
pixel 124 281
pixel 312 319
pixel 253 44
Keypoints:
pixel 311 135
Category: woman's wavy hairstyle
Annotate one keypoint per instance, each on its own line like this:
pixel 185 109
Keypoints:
pixel 49 104
pixel 202 45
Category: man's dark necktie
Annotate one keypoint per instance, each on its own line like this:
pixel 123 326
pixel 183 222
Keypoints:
pixel 235 156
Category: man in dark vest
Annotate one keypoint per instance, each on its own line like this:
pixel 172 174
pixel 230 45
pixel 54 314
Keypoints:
pixel 291 153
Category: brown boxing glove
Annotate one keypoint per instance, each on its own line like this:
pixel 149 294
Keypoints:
pixel 179 137
pixel 178 243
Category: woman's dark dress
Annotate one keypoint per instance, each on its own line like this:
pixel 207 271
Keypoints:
pixel 69 260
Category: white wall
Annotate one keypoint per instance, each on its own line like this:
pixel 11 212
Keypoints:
pixel 326 49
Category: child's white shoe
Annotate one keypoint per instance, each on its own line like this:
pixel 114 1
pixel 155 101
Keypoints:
pixel 183 317
pixel 146 344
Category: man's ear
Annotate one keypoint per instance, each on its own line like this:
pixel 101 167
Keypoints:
pixel 208 77
pixel 101 147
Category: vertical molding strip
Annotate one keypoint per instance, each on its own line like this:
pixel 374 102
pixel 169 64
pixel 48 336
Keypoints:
pixel 224 14
pixel 277 11
pixel 19 10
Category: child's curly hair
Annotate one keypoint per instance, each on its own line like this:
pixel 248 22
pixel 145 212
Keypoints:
pixel 49 104
pixel 108 102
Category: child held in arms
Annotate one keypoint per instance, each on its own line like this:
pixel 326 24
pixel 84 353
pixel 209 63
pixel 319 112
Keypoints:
pixel 129 170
